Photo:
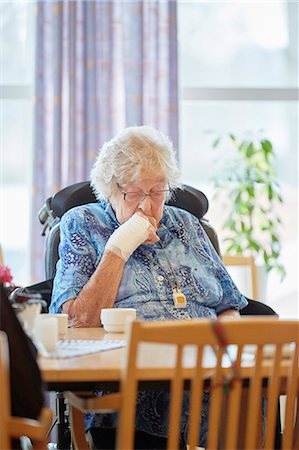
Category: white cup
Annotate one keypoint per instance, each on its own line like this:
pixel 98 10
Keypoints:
pixel 46 332
pixel 114 320
pixel 62 323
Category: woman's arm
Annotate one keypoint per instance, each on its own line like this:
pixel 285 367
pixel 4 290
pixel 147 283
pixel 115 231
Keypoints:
pixel 99 292
pixel 101 289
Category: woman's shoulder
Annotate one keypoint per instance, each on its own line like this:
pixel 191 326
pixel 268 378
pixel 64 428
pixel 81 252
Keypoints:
pixel 91 216
pixel 89 209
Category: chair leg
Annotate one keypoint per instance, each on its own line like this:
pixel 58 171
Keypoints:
pixel 278 431
pixel 62 425
pixel 296 426
pixel 77 429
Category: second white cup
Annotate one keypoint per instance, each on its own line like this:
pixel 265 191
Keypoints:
pixel 114 320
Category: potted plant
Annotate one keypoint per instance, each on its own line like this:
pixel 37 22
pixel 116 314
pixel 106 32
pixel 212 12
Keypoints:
pixel 252 193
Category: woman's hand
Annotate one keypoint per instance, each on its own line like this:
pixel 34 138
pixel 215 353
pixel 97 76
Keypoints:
pixel 137 230
pixel 152 228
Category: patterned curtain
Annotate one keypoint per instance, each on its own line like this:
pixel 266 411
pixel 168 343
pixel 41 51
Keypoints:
pixel 100 66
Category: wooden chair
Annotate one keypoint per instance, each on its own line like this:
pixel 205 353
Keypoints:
pixel 15 427
pixel 248 261
pixel 227 403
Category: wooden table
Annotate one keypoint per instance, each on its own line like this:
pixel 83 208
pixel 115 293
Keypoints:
pixel 95 367
pixel 91 371
pixel 102 369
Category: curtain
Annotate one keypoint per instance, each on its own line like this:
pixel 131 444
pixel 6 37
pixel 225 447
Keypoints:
pixel 100 66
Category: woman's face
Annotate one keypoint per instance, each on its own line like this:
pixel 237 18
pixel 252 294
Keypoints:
pixel 129 198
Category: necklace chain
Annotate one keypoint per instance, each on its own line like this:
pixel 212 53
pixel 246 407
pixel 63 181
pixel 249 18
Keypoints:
pixel 172 271
pixel 179 298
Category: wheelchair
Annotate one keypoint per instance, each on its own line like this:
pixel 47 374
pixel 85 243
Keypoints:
pixel 186 197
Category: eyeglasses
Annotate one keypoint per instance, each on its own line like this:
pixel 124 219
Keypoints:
pixel 138 197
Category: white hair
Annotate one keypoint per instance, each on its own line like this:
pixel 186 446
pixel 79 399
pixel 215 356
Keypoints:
pixel 130 155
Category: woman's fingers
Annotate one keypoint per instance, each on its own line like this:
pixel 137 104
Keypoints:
pixel 151 219
pixel 152 229
pixel 152 236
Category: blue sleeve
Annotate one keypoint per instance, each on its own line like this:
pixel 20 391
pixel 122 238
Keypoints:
pixel 78 257
pixel 232 297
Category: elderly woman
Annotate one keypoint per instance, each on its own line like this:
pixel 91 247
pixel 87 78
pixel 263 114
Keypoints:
pixel 132 250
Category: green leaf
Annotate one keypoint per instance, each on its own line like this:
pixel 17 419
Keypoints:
pixel 216 142
pixel 250 150
pixel 230 223
pixel 267 147
pixel 250 190
pixel 265 257
pixel 254 245
pixel 230 249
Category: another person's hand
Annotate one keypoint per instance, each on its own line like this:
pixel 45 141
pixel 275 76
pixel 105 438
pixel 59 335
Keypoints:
pixel 229 314
pixel 139 229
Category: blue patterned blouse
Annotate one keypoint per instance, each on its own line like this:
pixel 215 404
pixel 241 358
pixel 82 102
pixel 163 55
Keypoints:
pixel 147 279
pixel 146 283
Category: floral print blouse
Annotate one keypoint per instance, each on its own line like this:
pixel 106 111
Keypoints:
pixel 148 277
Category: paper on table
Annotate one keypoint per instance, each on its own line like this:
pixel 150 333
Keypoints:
pixel 71 348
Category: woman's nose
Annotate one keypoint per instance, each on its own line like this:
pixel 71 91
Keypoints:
pixel 146 204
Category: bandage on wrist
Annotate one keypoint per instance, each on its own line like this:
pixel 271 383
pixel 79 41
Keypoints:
pixel 129 236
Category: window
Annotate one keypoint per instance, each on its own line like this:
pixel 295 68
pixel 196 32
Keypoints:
pixel 16 90
pixel 238 72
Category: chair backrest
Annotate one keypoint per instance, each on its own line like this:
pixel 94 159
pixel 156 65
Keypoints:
pixel 238 260
pixel 269 374
pixel 15 427
pixel 187 198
